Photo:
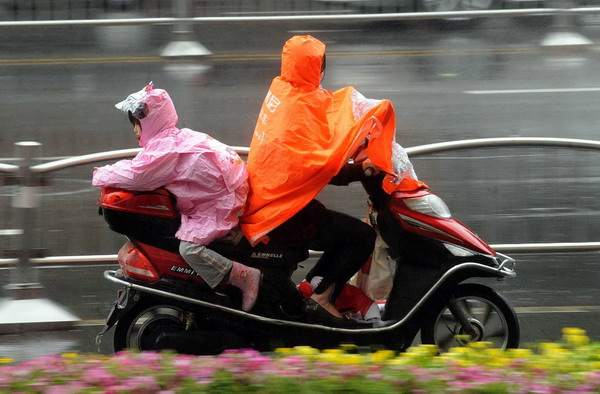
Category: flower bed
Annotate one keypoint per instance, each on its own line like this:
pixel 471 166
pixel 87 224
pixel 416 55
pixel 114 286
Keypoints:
pixel 571 366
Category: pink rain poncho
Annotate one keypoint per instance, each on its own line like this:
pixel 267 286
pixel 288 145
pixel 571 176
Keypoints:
pixel 208 178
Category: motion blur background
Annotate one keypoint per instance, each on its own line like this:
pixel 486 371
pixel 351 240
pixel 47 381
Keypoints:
pixel 449 78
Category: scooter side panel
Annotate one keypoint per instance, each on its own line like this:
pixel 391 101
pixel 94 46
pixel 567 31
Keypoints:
pixel 421 263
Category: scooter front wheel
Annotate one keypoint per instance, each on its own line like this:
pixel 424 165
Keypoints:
pixel 491 317
pixel 142 326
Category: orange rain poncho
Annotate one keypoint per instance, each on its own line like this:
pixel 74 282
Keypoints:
pixel 305 134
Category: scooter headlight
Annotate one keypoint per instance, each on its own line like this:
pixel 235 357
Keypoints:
pixel 458 251
pixel 430 205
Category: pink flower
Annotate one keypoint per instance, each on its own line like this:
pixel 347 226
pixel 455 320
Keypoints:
pixel 99 376
pixel 58 390
pixel 593 378
pixel 461 385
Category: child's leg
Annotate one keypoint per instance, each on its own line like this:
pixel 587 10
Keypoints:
pixel 211 266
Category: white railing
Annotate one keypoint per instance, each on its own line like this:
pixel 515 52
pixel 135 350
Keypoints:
pixel 243 151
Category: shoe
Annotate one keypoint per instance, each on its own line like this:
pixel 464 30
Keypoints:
pixel 247 279
pixel 316 314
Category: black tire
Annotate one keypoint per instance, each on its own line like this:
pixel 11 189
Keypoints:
pixel 490 314
pixel 141 326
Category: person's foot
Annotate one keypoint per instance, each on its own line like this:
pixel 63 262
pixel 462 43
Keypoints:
pixel 323 301
pixel 247 279
pixel 316 314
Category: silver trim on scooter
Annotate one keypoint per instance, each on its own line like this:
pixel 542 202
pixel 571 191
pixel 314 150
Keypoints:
pixel 507 266
pixel 505 270
pixel 424 226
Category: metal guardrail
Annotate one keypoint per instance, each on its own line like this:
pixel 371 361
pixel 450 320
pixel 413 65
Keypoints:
pixel 412 151
pixel 103 156
pixel 399 16
pixel 183 45
pixel 555 247
pixel 77 9
pixel 499 142
pixel 8 168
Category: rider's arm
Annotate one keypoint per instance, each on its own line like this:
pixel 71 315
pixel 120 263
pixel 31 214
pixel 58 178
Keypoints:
pixel 351 172
pixel 146 171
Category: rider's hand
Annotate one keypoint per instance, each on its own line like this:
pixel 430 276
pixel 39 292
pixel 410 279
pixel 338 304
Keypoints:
pixel 368 165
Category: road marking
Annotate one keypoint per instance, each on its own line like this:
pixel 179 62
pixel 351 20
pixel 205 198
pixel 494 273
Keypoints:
pixel 298 32
pixel 250 57
pixel 533 91
pixel 557 309
pixel 521 310
pixel 49 158
pixel 11 232
pixel 79 60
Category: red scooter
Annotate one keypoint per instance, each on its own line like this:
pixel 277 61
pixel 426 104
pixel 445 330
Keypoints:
pixel 164 304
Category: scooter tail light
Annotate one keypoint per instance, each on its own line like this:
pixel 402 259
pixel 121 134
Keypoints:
pixel 135 265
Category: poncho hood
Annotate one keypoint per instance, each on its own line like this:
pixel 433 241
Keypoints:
pixel 302 60
pixel 159 109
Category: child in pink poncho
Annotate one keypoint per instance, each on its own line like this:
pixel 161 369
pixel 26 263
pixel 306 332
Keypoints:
pixel 208 178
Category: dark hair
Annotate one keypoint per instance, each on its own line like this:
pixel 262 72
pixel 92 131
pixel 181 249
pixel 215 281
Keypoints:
pixel 140 112
pixel 324 63
pixel 132 119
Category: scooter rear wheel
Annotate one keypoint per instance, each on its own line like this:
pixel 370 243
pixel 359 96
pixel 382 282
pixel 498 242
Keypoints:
pixel 490 315
pixel 141 327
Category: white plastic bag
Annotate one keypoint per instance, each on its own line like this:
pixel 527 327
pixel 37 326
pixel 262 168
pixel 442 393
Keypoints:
pixel 375 278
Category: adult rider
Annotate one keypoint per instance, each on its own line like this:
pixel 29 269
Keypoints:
pixel 303 139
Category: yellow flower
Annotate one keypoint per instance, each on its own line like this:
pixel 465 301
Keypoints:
pixel 348 347
pixel 399 361
pixel 283 350
pixel 494 352
pixel 458 351
pixel 333 351
pixel 431 350
pixel 466 364
pixel 549 348
pixel 573 331
pixel 479 345
pixel 350 359
pixel 519 353
pixel 577 340
pixel 408 355
pixel 6 360
pixel 70 355
pixel 381 356
pixel 464 338
pixel 333 358
pixel 498 362
pixel 305 350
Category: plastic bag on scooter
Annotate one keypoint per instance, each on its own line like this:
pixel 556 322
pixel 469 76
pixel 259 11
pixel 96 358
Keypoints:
pixel 351 301
pixel 375 278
